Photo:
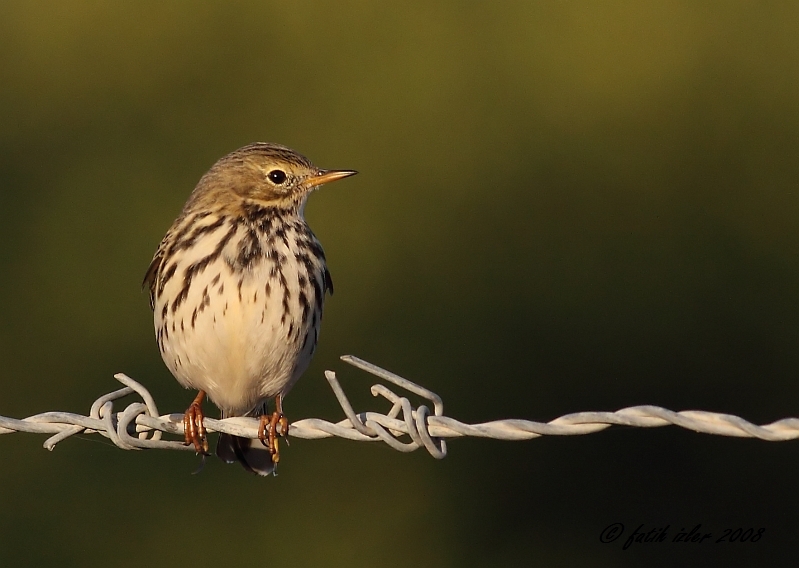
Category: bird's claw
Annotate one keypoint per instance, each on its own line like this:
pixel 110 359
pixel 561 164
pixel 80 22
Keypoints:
pixel 194 429
pixel 267 432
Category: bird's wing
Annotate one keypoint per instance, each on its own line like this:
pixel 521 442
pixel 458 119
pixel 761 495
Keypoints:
pixel 328 282
pixel 151 277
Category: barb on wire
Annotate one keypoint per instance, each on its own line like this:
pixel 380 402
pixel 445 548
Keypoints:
pixel 404 427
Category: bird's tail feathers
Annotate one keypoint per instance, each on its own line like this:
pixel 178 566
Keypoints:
pixel 251 454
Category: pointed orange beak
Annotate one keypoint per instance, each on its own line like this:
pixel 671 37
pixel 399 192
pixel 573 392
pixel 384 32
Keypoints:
pixel 326 176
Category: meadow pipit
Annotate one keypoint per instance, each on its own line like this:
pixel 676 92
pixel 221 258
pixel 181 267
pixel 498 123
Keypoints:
pixel 237 287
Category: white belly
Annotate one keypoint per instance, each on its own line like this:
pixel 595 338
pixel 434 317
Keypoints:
pixel 239 335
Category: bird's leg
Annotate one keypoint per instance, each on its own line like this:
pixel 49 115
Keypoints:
pixel 279 418
pixel 282 420
pixel 193 427
pixel 267 429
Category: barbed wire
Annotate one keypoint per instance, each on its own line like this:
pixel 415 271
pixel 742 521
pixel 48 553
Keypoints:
pixel 404 427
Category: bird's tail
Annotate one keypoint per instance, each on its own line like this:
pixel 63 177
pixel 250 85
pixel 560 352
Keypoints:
pixel 251 454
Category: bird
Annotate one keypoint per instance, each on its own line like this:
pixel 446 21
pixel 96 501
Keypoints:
pixel 237 287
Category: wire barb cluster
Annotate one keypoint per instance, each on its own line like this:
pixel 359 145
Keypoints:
pixel 405 428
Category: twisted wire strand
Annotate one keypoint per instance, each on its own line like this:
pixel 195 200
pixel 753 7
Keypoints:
pixel 404 427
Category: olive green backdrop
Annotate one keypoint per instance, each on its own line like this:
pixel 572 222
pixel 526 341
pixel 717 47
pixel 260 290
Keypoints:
pixel 562 206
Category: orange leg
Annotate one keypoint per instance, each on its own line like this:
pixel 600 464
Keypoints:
pixel 193 427
pixel 281 419
pixel 267 429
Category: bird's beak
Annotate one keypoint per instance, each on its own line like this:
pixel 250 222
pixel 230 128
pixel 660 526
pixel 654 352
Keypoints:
pixel 326 176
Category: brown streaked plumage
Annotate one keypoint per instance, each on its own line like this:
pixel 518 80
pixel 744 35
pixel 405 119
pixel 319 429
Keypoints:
pixel 237 288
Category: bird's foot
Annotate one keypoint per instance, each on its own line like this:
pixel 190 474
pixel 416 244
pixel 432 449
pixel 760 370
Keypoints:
pixel 267 432
pixel 193 427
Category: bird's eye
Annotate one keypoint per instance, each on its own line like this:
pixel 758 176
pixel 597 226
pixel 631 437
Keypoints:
pixel 277 176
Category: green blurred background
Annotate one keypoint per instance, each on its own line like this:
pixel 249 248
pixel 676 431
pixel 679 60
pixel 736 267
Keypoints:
pixel 562 206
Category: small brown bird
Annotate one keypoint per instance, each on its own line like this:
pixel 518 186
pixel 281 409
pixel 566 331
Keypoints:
pixel 237 287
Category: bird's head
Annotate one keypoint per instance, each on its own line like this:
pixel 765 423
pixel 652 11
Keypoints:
pixel 267 174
